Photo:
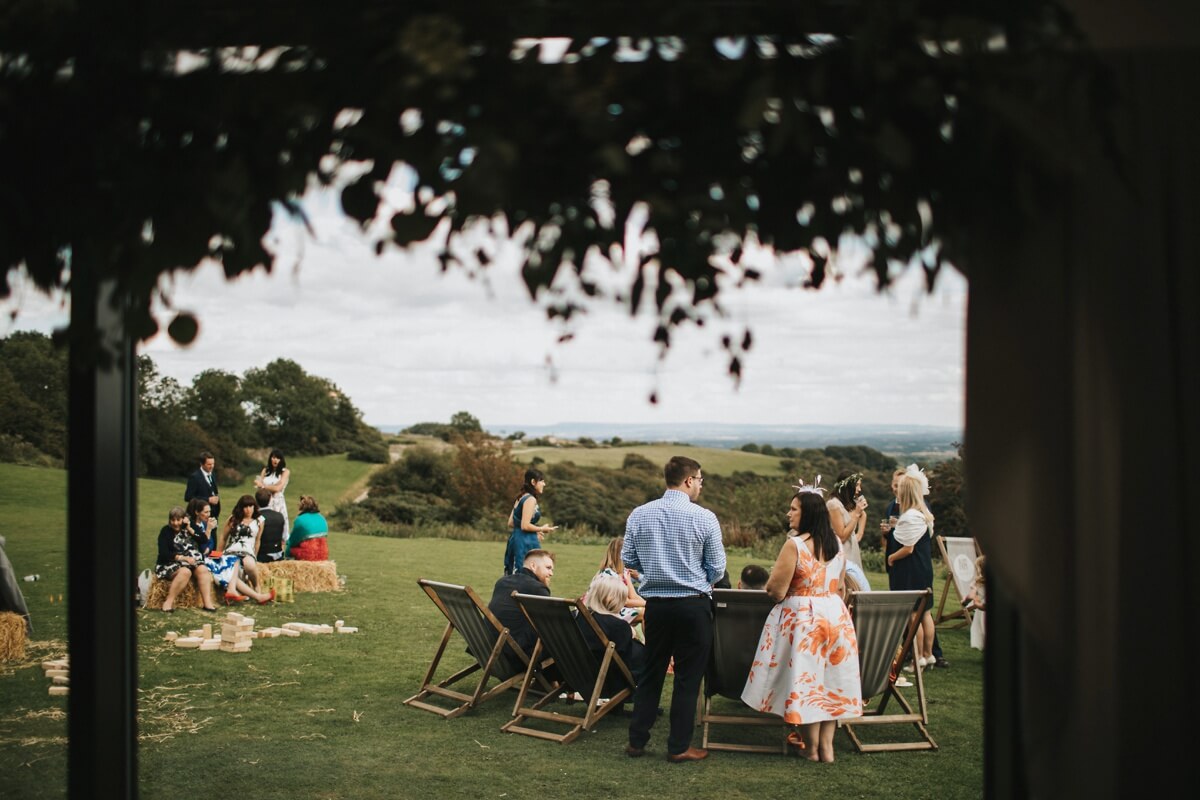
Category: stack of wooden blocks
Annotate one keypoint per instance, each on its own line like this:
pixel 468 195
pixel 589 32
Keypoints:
pixel 237 633
pixel 236 636
pixel 59 673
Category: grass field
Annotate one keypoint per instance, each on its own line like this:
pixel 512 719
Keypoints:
pixel 322 717
pixel 716 460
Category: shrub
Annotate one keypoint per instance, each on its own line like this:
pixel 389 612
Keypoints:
pixel 371 453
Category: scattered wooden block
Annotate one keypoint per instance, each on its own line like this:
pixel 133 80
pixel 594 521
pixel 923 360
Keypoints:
pixel 347 629
pixel 197 633
pixel 61 680
pixel 57 673
pixel 339 623
pixel 290 632
pixel 188 641
pixel 60 691
pixel 58 663
pixel 210 644
pixel 171 636
pixel 207 628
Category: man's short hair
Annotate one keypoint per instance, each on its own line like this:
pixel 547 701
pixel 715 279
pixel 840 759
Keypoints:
pixel 754 576
pixel 205 456
pixel 263 498
pixel 532 554
pixel 679 469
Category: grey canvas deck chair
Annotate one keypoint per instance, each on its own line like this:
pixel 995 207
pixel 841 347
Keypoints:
pixel 958 554
pixel 737 624
pixel 495 654
pixel 578 668
pixel 886 624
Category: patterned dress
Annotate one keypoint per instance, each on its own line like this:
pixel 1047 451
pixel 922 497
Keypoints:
pixel 226 567
pixel 278 502
pixel 806 667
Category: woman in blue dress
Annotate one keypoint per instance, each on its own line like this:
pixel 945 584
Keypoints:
pixel 526 534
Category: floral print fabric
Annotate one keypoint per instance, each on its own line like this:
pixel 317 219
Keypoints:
pixel 806 667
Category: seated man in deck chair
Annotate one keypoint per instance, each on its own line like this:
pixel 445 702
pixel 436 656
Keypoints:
pixel 533 578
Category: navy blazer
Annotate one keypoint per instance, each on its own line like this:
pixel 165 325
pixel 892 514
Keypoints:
pixel 198 486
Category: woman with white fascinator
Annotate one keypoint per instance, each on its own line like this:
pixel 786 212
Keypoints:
pixel 910 552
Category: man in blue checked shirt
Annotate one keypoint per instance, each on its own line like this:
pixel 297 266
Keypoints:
pixel 676 546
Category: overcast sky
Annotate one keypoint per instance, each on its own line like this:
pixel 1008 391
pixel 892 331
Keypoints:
pixel 409 343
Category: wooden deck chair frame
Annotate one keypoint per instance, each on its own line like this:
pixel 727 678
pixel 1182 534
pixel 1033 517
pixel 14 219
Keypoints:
pixel 738 621
pixel 886 624
pixel 958 554
pixel 497 656
pixel 577 666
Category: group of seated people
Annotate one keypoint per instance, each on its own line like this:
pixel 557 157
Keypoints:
pixel 253 533
pixel 611 597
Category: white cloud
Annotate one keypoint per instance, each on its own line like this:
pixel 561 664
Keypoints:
pixel 410 343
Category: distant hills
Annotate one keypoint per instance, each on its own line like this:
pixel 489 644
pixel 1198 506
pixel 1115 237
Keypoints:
pixel 927 441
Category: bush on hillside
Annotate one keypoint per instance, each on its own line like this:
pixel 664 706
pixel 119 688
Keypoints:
pixel 370 452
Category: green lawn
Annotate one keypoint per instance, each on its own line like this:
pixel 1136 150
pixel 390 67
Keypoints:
pixel 322 717
pixel 717 460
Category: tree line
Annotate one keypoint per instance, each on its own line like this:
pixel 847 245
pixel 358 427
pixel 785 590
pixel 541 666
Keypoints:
pixel 279 405
pixel 476 481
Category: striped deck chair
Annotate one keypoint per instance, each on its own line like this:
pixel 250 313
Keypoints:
pixel 495 653
pixel 886 624
pixel 737 624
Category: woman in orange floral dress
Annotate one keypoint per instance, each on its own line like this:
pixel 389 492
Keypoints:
pixel 806 666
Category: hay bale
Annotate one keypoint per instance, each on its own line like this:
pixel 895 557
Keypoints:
pixel 188 598
pixel 306 576
pixel 12 636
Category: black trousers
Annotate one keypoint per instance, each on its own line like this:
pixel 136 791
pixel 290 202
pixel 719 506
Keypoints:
pixel 679 628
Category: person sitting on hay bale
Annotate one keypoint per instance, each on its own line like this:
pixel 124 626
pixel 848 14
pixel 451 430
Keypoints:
pixel 179 559
pixel 309 536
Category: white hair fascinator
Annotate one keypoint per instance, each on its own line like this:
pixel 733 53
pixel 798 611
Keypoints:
pixel 815 488
pixel 913 472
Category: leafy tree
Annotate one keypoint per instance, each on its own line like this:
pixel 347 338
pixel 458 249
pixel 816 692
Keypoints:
pixel 947 497
pixel 215 404
pixel 463 422
pixel 33 392
pixel 168 442
pixel 749 447
pixel 438 429
pixel 485 480
pixel 419 469
pixel 791 143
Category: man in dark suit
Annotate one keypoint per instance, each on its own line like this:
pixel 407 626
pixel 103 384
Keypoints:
pixel 533 578
pixel 270 542
pixel 203 484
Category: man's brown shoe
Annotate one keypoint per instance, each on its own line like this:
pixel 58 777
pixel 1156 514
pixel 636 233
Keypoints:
pixel 691 754
pixel 634 752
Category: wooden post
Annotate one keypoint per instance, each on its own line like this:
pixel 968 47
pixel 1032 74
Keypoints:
pixel 101 517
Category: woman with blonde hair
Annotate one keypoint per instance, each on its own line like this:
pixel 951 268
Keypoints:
pixel 605 598
pixel 634 605
pixel 910 553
